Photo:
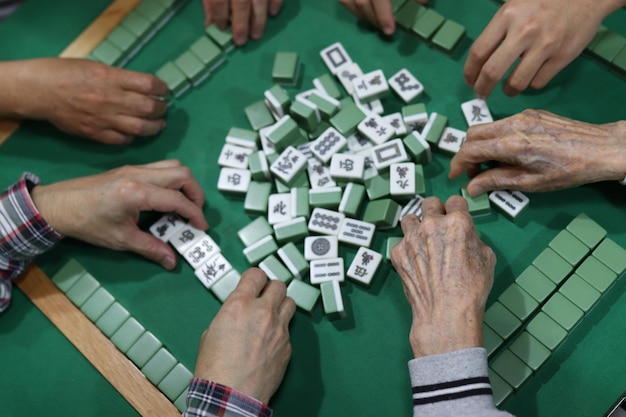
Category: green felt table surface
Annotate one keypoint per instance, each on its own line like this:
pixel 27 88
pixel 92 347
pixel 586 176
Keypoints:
pixel 355 366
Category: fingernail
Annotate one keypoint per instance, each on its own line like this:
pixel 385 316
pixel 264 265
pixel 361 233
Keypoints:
pixel 480 96
pixel 168 262
pixel 240 40
pixel 469 81
pixel 388 30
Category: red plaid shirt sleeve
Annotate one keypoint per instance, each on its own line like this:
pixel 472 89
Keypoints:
pixel 210 399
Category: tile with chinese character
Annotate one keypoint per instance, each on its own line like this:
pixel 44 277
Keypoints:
pixel 402 179
pixel 476 112
pixel 279 208
pixel 201 251
pixel 166 226
pixel 233 156
pixel 347 166
pixel 212 270
pixel 348 73
pixel 376 129
pixel 451 140
pixel 234 180
pixel 364 265
pixel 289 164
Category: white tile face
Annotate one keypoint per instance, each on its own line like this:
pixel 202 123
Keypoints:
pixel 395 120
pixel 335 56
pixel 476 112
pixel 389 153
pixel 185 237
pixel 370 169
pixel 370 85
pixel 289 164
pixel 319 175
pixel 166 226
pixel 451 140
pixel 234 180
pixel 267 146
pixel 201 251
pixel 376 129
pixel 364 265
pixel 414 206
pixel 329 143
pixel 510 202
pixel 373 106
pixel 416 122
pixel 406 85
pixel 320 247
pixel 356 232
pixel 324 270
pixel 234 156
pixel 347 166
pixel 212 270
pixel 346 74
pixel 325 221
pixel 279 208
pixel 305 148
pixel 402 179
pixel 358 142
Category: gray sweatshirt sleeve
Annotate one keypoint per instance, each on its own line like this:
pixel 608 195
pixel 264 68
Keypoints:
pixel 453 384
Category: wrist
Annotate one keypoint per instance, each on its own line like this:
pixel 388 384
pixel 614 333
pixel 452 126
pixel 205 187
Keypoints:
pixel 443 335
pixel 41 198
pixel 616 160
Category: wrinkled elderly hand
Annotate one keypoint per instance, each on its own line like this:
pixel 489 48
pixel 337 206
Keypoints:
pixel 447 273
pixel 545 34
pixel 540 151
pixel 104 209
pixel 377 12
pixel 247 17
pixel 247 345
pixel 84 98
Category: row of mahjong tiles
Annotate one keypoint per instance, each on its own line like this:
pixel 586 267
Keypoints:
pixel 320 189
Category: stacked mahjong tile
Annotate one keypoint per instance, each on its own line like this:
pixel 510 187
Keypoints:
pixel 121 45
pixel 142 347
pixel 534 315
pixel 428 24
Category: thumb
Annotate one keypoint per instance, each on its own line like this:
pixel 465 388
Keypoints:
pixel 152 248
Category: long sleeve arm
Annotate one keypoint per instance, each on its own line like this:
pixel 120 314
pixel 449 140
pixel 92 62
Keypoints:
pixel 453 384
pixel 208 399
pixel 24 234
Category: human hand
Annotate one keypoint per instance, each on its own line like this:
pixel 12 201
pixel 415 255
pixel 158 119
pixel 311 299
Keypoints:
pixel 540 151
pixel 247 17
pixel 104 209
pixel 246 346
pixel 85 98
pixel 377 12
pixel 546 34
pixel 447 273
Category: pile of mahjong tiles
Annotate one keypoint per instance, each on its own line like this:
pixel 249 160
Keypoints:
pixel 324 170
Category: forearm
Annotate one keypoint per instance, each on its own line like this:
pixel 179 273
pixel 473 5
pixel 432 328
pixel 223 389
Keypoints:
pixel 16 78
pixel 208 399
pixel 24 234
pixel 453 384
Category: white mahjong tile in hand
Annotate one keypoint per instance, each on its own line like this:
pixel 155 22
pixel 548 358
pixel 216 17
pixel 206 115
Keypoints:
pixel 185 237
pixel 512 203
pixel 364 265
pixel 320 247
pixel 370 107
pixel 319 175
pixel 329 143
pixel 396 121
pixel 166 226
pixel 376 129
pixel 324 270
pixel 345 166
pixel 476 112
pixel 233 156
pixel 370 86
pixel 325 221
pixel 451 140
pixel 234 180
pixel 346 73
pixel 289 164
pixel 201 251
pixel 389 153
pixel 414 206
pixel 356 232
pixel 212 270
pixel 357 142
pixel 335 56
pixel 405 85
pixel 279 208
pixel 402 179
